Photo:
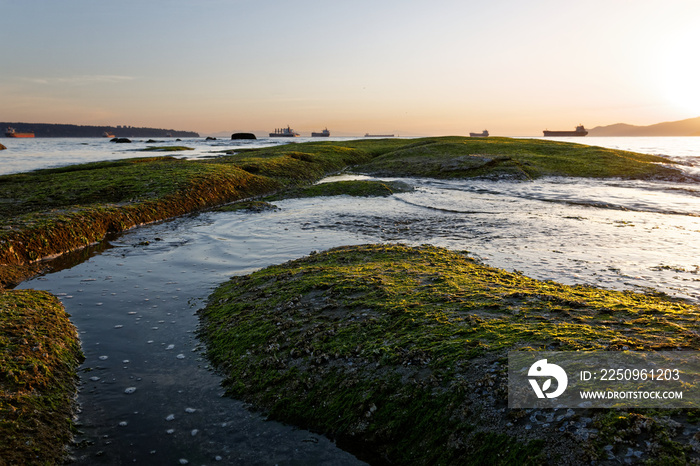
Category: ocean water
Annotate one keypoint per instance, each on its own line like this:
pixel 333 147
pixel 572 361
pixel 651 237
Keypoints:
pixel 147 391
pixel 24 155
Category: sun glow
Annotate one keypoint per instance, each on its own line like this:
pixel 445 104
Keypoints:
pixel 681 71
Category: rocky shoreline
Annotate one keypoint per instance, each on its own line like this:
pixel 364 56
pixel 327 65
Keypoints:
pixel 49 212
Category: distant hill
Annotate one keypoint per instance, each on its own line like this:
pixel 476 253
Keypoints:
pixel 50 130
pixel 689 127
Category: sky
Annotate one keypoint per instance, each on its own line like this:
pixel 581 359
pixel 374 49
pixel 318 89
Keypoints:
pixel 411 68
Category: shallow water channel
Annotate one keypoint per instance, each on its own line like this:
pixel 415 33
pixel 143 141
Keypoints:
pixel 148 395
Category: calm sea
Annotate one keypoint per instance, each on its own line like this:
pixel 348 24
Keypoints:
pixel 30 154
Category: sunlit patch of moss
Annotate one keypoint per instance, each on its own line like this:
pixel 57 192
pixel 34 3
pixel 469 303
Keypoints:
pixel 369 342
pixel 39 357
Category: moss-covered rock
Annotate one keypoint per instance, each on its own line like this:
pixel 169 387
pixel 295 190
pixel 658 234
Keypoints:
pixel 39 357
pixel 401 352
pixel 167 149
pixel 247 206
pixel 456 157
pixel 357 188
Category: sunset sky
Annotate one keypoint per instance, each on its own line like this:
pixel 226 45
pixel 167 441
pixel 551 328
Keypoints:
pixel 407 67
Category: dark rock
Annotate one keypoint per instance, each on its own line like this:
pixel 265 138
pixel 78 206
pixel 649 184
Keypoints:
pixel 120 140
pixel 243 136
pixel 209 138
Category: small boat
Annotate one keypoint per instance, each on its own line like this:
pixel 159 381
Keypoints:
pixel 12 133
pixel 107 134
pixel 580 131
pixel 367 135
pixel 323 134
pixel 483 134
pixel 284 133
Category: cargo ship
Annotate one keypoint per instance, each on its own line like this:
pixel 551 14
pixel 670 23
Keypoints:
pixel 580 131
pixel 12 133
pixel 284 133
pixel 483 134
pixel 323 134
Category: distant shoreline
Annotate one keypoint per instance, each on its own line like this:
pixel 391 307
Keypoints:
pixel 52 130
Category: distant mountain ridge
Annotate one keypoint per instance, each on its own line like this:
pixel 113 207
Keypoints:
pixel 689 127
pixel 51 130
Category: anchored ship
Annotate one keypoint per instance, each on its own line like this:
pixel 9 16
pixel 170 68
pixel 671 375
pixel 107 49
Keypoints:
pixel 483 134
pixel 323 134
pixel 12 133
pixel 284 133
pixel 580 131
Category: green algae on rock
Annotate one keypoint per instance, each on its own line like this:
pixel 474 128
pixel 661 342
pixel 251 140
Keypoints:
pixel 403 351
pixel 297 164
pixel 39 357
pixel 357 188
pixel 166 149
pixel 459 157
pixel 495 158
pixel 54 211
pixel 247 206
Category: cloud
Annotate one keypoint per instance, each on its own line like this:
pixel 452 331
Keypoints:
pixel 81 80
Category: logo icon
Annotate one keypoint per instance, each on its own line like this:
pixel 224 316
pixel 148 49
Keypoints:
pixel 543 369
